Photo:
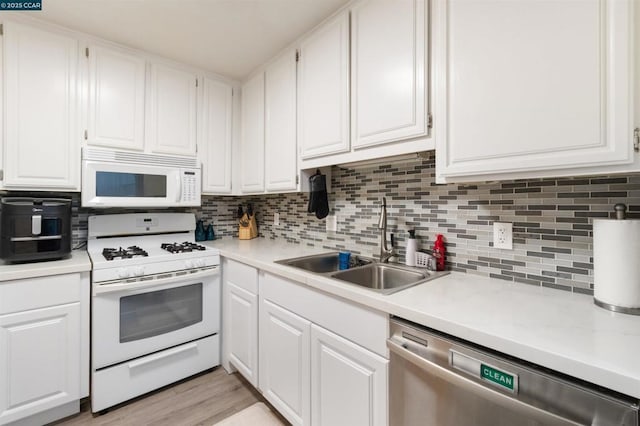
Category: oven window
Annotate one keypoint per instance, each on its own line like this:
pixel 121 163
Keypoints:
pixel 114 184
pixel 159 312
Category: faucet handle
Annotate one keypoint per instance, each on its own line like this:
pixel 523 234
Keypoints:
pixel 393 241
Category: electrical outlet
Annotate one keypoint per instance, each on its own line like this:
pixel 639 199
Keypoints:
pixel 276 219
pixel 332 223
pixel 503 235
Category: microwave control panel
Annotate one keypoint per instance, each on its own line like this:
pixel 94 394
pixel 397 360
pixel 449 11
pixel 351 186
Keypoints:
pixel 189 187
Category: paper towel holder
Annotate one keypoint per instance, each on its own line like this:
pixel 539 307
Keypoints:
pixel 605 300
pixel 621 211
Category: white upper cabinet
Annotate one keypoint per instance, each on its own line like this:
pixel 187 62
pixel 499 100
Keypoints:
pixel 215 136
pixel 41 133
pixel 171 113
pixel 388 95
pixel 518 92
pixel 281 166
pixel 323 90
pixel 252 146
pixel 116 98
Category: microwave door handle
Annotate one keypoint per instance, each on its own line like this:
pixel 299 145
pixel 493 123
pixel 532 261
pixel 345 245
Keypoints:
pixel 179 187
pixel 125 286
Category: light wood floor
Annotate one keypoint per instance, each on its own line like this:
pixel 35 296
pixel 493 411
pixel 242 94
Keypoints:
pixel 202 400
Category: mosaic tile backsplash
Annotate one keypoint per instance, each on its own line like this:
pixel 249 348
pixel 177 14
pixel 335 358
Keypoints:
pixel 552 219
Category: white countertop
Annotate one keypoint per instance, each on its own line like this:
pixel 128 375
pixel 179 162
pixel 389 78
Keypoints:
pixel 559 330
pixel 78 262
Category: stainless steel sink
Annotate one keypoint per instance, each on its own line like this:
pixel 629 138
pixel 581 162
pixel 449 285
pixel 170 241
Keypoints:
pixel 322 263
pixel 385 278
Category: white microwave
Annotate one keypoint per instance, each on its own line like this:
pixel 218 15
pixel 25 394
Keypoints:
pixel 132 179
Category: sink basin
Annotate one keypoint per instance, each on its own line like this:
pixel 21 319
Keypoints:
pixel 384 278
pixel 321 263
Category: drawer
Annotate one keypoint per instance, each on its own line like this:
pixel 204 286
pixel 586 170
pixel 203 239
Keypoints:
pixel 241 275
pixel 34 293
pixel 366 327
pixel 113 385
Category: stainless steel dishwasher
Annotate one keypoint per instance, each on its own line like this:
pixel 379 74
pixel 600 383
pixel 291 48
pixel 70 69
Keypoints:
pixel 438 380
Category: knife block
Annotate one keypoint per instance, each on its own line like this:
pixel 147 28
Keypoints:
pixel 247 228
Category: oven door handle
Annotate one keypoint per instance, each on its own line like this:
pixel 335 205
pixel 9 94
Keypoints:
pixel 124 287
pixel 477 388
pixel 162 355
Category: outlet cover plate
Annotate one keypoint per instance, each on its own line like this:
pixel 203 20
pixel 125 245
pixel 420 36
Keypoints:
pixel 276 219
pixel 503 235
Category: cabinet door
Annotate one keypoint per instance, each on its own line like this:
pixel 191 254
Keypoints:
pixel 323 90
pixel 284 362
pixel 171 117
pixel 216 130
pixel 280 124
pixel 116 98
pixel 252 148
pixel 388 45
pixel 243 331
pixel 509 96
pixel 348 382
pixel 39 360
pixel 42 135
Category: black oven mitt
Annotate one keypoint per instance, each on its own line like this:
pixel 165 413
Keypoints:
pixel 318 198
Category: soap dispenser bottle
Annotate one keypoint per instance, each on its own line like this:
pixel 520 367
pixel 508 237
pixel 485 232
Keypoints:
pixel 412 246
pixel 439 252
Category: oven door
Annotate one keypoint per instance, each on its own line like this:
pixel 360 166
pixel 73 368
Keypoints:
pixel 135 319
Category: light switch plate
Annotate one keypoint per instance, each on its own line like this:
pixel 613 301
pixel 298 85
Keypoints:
pixel 276 219
pixel 503 235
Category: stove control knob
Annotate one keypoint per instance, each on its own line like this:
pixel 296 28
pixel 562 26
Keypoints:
pixel 201 263
pixel 139 271
pixel 189 264
pixel 123 273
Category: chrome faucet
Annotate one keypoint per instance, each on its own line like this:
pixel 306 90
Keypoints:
pixel 385 252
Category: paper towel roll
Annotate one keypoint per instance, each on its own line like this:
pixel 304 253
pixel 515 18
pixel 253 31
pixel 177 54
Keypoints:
pixel 616 262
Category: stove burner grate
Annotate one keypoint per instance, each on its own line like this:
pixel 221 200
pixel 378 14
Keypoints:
pixel 184 247
pixel 126 253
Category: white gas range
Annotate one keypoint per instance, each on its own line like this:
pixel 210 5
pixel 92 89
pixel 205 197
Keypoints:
pixel 155 306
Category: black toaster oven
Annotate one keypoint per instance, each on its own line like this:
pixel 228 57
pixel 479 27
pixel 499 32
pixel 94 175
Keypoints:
pixel 34 229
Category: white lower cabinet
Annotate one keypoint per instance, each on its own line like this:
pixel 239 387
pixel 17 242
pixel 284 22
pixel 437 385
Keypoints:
pixel 240 319
pixel 322 359
pixel 44 347
pixel 39 356
pixel 348 382
pixel 243 310
pixel 284 361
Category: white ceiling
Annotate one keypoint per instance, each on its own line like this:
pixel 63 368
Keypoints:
pixel 229 37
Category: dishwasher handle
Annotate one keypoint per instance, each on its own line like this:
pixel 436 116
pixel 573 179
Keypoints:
pixel 477 388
